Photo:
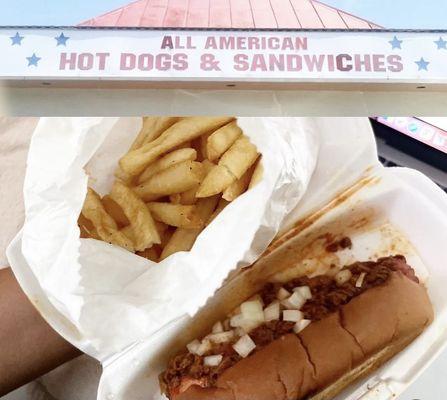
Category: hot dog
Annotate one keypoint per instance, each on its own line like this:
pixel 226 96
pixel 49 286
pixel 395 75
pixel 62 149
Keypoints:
pixel 308 337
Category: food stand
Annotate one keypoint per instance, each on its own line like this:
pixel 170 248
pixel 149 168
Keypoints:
pixel 306 59
pixel 248 69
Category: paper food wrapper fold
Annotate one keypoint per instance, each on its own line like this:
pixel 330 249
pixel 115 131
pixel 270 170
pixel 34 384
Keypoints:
pixel 104 299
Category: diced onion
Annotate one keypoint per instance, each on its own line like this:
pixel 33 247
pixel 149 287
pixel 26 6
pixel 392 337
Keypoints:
pixel 252 311
pixel 218 327
pixel 295 301
pixel 204 347
pixel 193 346
pixel 236 320
pixel 343 276
pixel 212 361
pixel 292 315
pixel 256 297
pixel 248 325
pixel 221 337
pixel 300 325
pixel 282 294
pixel 304 291
pixel 360 279
pixel 272 312
pixel 244 346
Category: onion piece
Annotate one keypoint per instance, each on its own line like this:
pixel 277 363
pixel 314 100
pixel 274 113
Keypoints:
pixel 295 301
pixel 252 311
pixel 300 325
pixel 204 347
pixel 272 311
pixel 193 346
pixel 256 297
pixel 217 327
pixel 212 361
pixel 248 325
pixel 360 279
pixel 343 276
pixel 244 346
pixel 236 320
pixel 282 294
pixel 292 315
pixel 304 291
pixel 220 337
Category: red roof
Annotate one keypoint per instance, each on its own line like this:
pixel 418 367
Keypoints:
pixel 230 14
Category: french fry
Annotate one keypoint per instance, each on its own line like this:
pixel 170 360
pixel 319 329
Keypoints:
pixel 182 131
pixel 87 228
pixel 140 218
pixel 221 140
pixel 168 189
pixel 152 253
pixel 128 231
pixel 170 159
pixel 183 239
pixel 123 176
pixel 176 179
pixel 185 145
pixel 176 197
pixel 257 174
pixel 189 197
pixel 204 144
pixel 220 206
pixel 83 234
pixel 152 128
pixel 104 224
pixel 240 186
pixel 217 180
pixel 175 215
pixel 115 211
pixel 208 165
pixel 232 165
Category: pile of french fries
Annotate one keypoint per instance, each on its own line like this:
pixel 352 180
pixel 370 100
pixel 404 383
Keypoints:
pixel 177 176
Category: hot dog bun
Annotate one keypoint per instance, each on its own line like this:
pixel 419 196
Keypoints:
pixel 331 353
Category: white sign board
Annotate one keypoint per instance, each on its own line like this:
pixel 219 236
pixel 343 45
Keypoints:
pixel 198 55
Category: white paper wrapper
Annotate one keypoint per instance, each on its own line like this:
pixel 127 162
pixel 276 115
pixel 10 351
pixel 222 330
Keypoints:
pixel 104 299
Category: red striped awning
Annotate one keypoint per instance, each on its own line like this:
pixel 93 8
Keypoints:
pixel 273 14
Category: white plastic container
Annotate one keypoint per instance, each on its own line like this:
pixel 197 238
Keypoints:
pixel 388 211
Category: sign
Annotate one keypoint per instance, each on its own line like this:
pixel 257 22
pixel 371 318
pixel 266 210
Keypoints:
pixel 419 130
pixel 249 56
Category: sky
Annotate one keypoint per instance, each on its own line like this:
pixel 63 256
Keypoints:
pixel 414 14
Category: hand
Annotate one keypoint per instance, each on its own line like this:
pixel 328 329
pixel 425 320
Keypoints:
pixel 29 347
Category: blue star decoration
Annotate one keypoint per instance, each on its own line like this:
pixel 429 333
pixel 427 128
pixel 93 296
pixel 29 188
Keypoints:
pixel 62 39
pixel 441 43
pixel 33 60
pixel 395 43
pixel 422 64
pixel 16 39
